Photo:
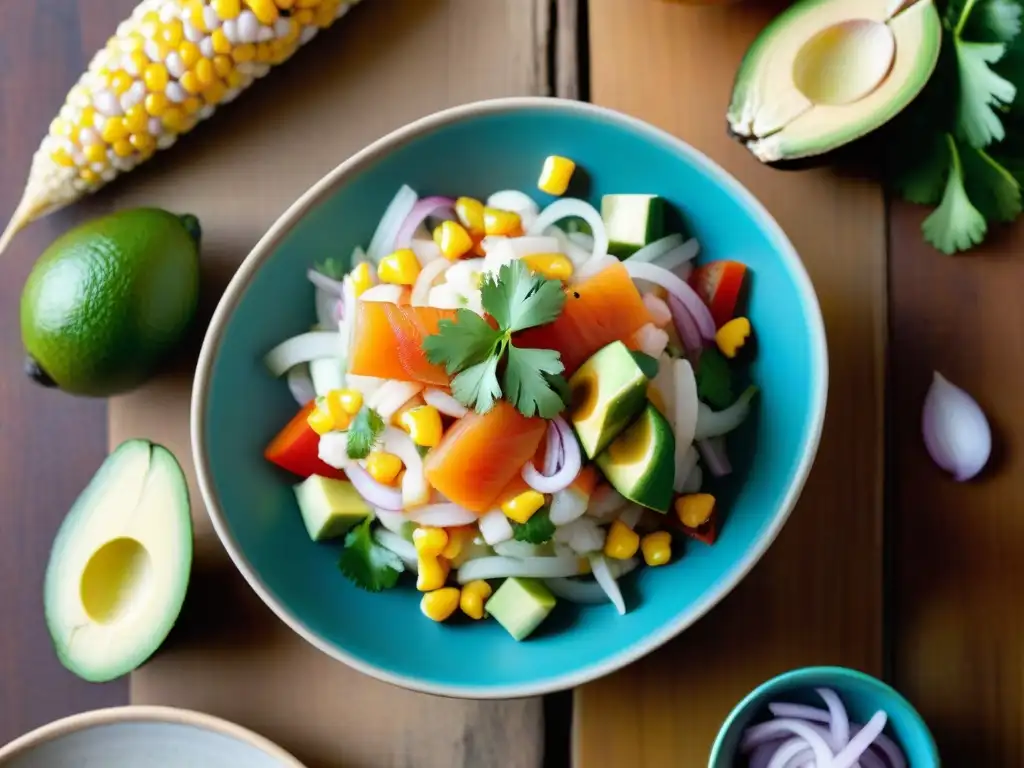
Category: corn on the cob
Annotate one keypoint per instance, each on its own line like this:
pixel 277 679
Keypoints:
pixel 168 67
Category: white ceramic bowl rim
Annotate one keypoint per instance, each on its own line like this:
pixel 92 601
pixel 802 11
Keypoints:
pixel 358 162
pixel 144 714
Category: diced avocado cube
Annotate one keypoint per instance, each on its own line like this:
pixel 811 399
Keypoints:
pixel 608 391
pixel 329 507
pixel 520 605
pixel 632 221
pixel 640 463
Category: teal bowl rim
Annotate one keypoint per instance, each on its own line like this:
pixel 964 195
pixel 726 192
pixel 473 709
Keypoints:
pixel 147 715
pixel 795 678
pixel 357 163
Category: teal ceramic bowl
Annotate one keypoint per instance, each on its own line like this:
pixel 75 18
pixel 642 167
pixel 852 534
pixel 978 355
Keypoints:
pixel 863 696
pixel 475 150
pixel 133 737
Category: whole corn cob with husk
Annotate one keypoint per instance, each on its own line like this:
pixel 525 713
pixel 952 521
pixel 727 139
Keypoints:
pixel 167 68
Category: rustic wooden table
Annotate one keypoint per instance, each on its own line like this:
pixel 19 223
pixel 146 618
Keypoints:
pixel 886 565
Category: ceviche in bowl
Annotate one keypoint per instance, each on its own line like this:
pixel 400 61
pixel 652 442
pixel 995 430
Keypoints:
pixel 512 418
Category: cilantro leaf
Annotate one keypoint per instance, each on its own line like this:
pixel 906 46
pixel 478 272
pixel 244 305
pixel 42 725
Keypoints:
pixel 992 21
pixel 956 224
pixel 518 298
pixel 477 387
pixel 367 564
pixel 331 267
pixel 525 385
pixel 982 91
pixel 714 379
pixel 991 188
pixel 364 432
pixel 537 530
pixel 461 343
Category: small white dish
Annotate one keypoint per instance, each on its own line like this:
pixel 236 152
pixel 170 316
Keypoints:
pixel 143 737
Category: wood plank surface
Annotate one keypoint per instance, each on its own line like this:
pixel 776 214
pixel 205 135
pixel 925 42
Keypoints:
pixel 817 595
pixel 388 62
pixel 50 443
pixel 957 571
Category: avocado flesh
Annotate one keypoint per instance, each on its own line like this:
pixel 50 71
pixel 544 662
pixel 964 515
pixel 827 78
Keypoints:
pixel 120 564
pixel 640 463
pixel 608 391
pixel 520 605
pixel 778 122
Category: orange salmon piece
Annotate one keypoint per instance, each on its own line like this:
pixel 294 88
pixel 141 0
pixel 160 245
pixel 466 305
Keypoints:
pixel 388 342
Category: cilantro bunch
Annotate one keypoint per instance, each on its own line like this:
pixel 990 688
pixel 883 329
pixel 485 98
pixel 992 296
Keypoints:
pixel 960 145
pixel 474 351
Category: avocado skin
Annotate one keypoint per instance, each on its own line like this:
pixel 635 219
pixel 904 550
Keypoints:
pixel 858 154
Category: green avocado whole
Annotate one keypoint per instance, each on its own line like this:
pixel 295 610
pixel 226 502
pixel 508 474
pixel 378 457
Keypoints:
pixel 108 301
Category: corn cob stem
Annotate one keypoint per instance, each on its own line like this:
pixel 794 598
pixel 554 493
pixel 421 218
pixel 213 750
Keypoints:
pixel 168 67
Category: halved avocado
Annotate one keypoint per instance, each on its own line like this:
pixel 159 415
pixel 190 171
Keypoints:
pixel 608 391
pixel 640 463
pixel 827 72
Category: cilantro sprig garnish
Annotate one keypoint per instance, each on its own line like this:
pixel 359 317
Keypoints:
pixel 364 432
pixel 537 530
pixel 473 351
pixel 366 563
pixel 331 267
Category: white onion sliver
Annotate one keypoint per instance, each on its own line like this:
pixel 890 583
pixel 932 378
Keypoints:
pixel 686 412
pixel 529 245
pixel 578 253
pixel 332 449
pixel 444 403
pixel 839 722
pixel 300 384
pixel 694 481
pixel 686 327
pixel 604 577
pixel 715 455
pixel 396 522
pixel 572 207
pixel 572 462
pixel 583 536
pixel 582 239
pixel 686 463
pixel 415 489
pixel 605 503
pixel 385 292
pixel 714 423
pixel 758 734
pixel 358 257
pixel 326 304
pixel 619 568
pixel 528 567
pixel 325 283
pixel 799 711
pixel 426 251
pixel 375 494
pixel 677 257
pixel 392 396
pixel 425 281
pixel 444 515
pixel 659 247
pixel 552 453
pixel 517 202
pixel 852 752
pixel 566 506
pixel 630 516
pixel 678 288
pixel 301 349
pixel 593 266
pixel 791 753
pixel 348 328
pixel 495 527
pixel 574 591
pixel 395 543
pixel 327 373
pixel 520 549
pixel 383 241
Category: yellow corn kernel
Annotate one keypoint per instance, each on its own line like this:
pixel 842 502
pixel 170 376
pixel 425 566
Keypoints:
pixel 189 53
pixel 439 604
pixel 622 542
pixel 237 80
pixel 156 104
pixel 553 266
pixel 413 402
pixel 194 11
pixel 351 400
pixel 423 424
pixel 307 3
pixel 304 17
pixel 85 119
pixel 399 268
pixel 243 53
pixel 190 82
pixel 320 421
pixel 214 92
pixel 471 215
pixel 113 130
pixel 204 71
pixel 220 41
pixel 95 153
pixel 433 572
pixel 657 547
pixel 264 52
pixel 285 5
pixel 474 595
pixel 332 401
pixel 150 24
pixel 227 9
pixel 731 337
pixel 324 14
pixel 223 65
pixel 555 175
pixel 143 142
pixel 383 467
pixel 62 157
pixel 89 175
pixel 457 539
pixel 191 105
pixel 139 61
pixel 361 277
pixel 264 10
pixel 695 509
pixel 429 542
pixel 136 120
pixel 123 148
pixel 522 507
pixel 60 127
pixel 172 33
pixel 499 222
pixel 453 240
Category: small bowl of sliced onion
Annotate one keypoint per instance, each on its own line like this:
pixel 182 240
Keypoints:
pixel 824 717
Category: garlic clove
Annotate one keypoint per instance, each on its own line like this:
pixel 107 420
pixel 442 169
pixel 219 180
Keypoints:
pixel 955 431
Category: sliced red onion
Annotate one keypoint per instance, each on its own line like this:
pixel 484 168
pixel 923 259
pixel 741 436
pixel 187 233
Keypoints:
pixel 399 546
pixel 571 207
pixel 301 349
pixel 527 567
pixel 445 515
pixel 839 723
pixel 425 281
pixel 572 462
pixel 375 494
pixel 686 326
pixel 791 754
pixel 424 208
pixel 887 747
pixel 576 591
pixel 658 248
pixel 859 744
pixel 604 577
pixel 758 734
pixel 553 452
pixel 714 423
pixel 800 711
pixel 714 453
pixel 679 289
pixel 398 210
pixel 300 384
pixel 955 430
pixel 495 527
pixel 444 403
pixel 325 283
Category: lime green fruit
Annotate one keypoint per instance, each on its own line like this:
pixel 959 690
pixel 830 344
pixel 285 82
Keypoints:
pixel 107 302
